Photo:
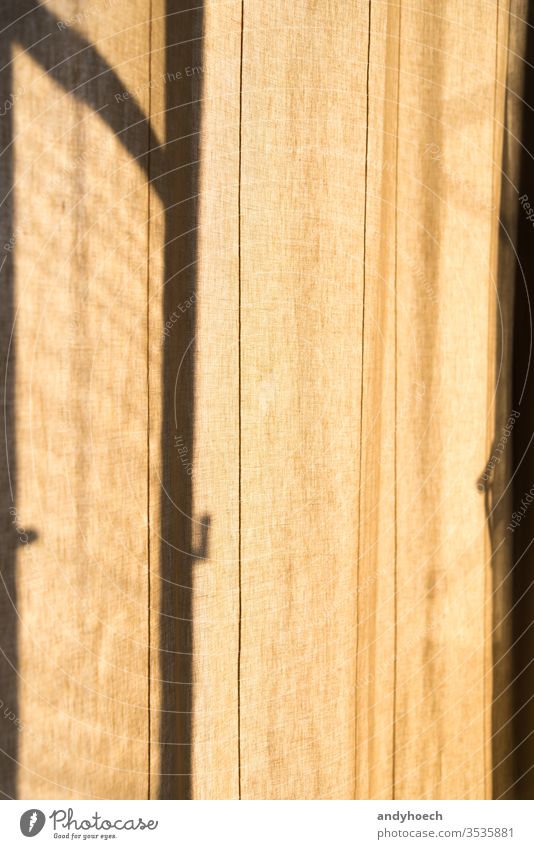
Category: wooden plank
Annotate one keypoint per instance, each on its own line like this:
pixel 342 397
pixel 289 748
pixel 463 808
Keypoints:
pixel 446 220
pixel 375 590
pixel 511 35
pixel 215 763
pixel 80 400
pixel 246 555
pixel 302 206
pixel 194 447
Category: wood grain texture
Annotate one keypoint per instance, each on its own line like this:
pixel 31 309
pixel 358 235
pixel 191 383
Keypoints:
pixel 197 457
pixel 80 347
pixel 375 588
pixel 215 763
pixel 512 46
pixel 250 395
pixel 447 208
pixel 303 137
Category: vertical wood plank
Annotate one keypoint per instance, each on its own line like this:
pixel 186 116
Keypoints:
pixel 195 288
pixel 81 401
pixel 246 554
pixel 375 589
pixel 446 220
pixel 511 33
pixel 215 753
pixel 302 206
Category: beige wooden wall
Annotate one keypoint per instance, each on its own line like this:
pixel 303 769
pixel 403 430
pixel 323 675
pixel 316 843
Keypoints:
pixel 259 564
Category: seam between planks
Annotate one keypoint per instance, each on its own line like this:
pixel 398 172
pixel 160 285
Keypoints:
pixel 239 403
pixel 149 588
pixel 364 281
pixel 395 458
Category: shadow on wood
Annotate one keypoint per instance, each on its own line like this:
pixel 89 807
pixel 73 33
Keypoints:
pixel 77 66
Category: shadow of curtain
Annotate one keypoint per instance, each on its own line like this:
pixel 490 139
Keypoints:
pixel 179 185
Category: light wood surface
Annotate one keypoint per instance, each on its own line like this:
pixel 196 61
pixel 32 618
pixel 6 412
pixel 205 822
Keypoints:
pixel 253 295
pixel 447 208
pixel 80 395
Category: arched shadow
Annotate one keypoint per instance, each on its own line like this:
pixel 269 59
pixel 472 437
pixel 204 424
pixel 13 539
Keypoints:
pixel 76 65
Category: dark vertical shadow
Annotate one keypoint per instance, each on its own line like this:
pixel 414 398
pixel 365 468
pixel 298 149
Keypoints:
pixel 8 534
pixel 498 497
pixel 180 179
pixel 496 482
pixel 523 453
pixel 498 477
